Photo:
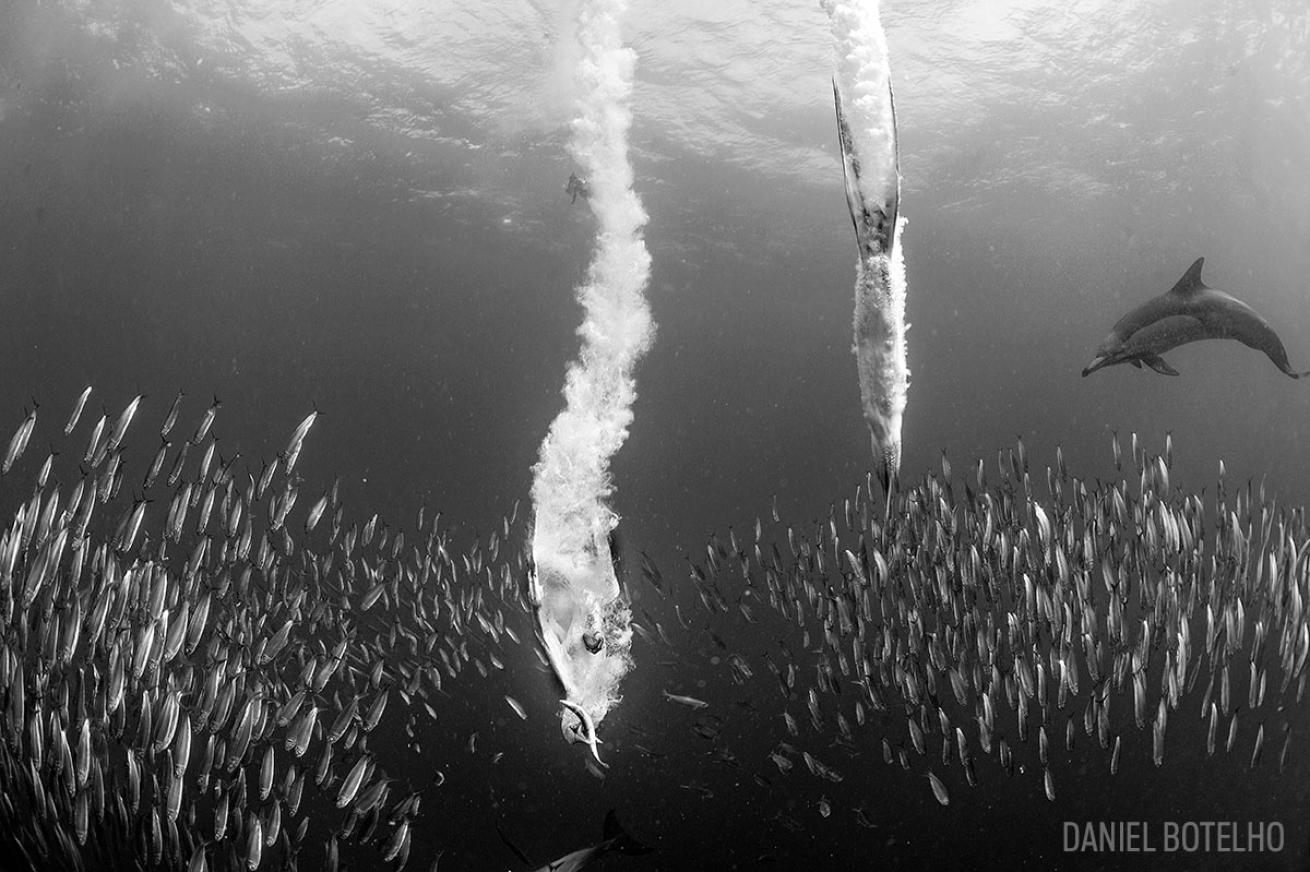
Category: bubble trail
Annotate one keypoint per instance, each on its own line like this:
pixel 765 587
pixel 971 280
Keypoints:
pixel 866 132
pixel 583 617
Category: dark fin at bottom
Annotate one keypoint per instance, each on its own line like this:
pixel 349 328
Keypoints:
pixel 513 847
pixel 619 839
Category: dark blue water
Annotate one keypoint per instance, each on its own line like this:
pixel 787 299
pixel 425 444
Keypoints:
pixel 167 224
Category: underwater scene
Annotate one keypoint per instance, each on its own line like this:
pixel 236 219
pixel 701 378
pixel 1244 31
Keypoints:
pixel 529 436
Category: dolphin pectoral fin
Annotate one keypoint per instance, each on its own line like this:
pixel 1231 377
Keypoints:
pixel 875 223
pixel 1157 363
pixel 1136 362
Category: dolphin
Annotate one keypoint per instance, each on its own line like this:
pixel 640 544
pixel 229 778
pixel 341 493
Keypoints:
pixel 1189 312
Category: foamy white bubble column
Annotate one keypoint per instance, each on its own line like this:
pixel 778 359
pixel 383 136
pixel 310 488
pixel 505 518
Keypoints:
pixel 579 599
pixel 866 121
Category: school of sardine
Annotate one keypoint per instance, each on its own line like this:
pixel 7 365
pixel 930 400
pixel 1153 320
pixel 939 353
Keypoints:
pixel 1026 611
pixel 181 670
pixel 189 664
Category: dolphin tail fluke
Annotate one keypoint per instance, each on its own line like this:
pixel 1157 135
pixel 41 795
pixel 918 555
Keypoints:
pixel 874 218
pixel 1266 340
pixel 618 838
pixel 1286 368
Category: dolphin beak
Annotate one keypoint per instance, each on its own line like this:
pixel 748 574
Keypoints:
pixel 1096 364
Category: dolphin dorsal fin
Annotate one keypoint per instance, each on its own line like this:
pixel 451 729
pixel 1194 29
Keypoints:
pixel 1191 282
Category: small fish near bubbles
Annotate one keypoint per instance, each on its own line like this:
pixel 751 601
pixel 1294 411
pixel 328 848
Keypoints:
pixel 690 702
